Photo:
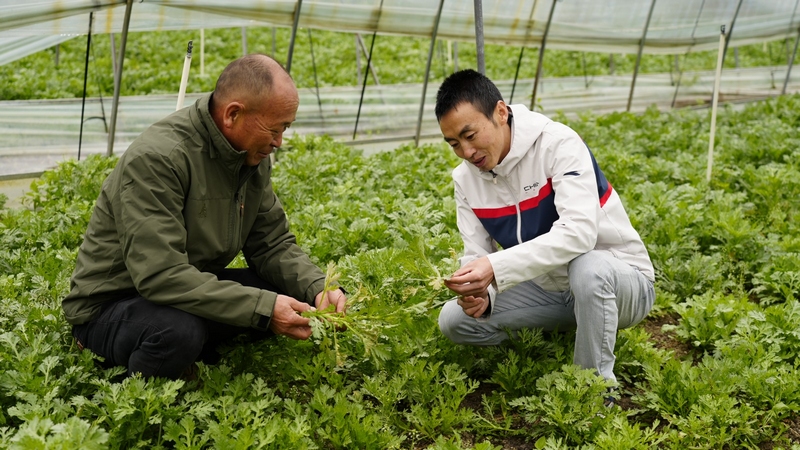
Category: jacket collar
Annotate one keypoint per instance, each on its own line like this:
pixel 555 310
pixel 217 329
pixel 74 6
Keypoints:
pixel 218 145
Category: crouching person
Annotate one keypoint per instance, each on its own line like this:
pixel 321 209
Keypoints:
pixel 150 290
pixel 570 258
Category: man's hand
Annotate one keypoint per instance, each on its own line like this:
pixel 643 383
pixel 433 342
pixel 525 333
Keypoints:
pixel 474 306
pixel 473 279
pixel 335 297
pixel 286 319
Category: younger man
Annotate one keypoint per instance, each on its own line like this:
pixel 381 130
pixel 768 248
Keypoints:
pixel 570 257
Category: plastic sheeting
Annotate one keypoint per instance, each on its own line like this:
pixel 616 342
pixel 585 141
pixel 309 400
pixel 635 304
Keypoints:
pixel 677 26
pixel 36 134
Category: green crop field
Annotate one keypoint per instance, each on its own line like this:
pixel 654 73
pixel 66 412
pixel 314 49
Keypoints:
pixel 154 61
pixel 715 366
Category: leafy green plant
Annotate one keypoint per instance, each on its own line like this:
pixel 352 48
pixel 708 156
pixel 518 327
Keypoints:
pixel 568 403
pixel 709 317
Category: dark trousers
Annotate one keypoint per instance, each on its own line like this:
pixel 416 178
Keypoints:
pixel 158 340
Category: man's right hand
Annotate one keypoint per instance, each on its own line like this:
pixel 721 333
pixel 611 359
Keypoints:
pixel 286 319
pixel 474 306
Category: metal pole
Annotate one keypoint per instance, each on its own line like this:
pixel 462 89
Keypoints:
pixel 516 75
pixel 202 52
pixel 114 56
pixel 358 60
pixel 455 56
pixel 639 54
pixel 316 80
pixel 294 35
pixel 791 58
pixel 791 62
pixel 118 78
pixel 273 42
pixel 479 36
pixel 714 98
pixel 369 65
pixel 728 36
pixel 85 77
pixel 680 71
pixel 244 41
pixel 364 51
pixel 187 63
pixel 427 72
pixel 541 54
pixel 522 51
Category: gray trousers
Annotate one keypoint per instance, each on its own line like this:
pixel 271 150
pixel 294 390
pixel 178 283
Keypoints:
pixel 605 295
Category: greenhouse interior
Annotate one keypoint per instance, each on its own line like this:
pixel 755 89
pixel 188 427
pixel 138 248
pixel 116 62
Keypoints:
pixel 690 107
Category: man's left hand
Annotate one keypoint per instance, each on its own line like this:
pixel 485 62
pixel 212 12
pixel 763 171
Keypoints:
pixel 473 279
pixel 335 297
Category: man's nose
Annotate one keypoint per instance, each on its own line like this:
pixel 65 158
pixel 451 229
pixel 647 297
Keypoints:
pixel 469 151
pixel 278 140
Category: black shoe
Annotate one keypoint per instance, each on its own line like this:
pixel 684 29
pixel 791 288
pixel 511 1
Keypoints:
pixel 611 397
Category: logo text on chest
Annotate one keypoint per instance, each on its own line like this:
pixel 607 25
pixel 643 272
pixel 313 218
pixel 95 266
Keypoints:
pixel 531 186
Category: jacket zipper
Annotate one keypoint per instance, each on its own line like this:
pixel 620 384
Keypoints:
pixel 516 204
pixel 238 199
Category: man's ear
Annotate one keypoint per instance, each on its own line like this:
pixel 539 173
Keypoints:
pixel 501 109
pixel 232 113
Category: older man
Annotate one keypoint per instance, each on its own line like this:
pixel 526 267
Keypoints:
pixel 150 289
pixel 570 257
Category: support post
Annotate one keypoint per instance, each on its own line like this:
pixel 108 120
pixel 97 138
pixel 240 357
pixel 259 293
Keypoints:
pixel 516 75
pixel 522 51
pixel 202 52
pixel 428 72
pixel 368 55
pixel 479 46
pixel 730 31
pixel 358 59
pixel 114 57
pixel 118 78
pixel 639 54
pixel 85 78
pixel 360 42
pixel 680 71
pixel 714 99
pixel 294 35
pixel 541 54
pixel 187 63
pixel 791 63
pixel 244 41
pixel 791 58
pixel 316 80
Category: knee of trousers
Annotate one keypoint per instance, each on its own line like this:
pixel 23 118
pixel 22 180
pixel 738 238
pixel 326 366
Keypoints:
pixel 452 322
pixel 588 275
pixel 185 339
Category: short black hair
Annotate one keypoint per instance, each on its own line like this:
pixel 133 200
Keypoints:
pixel 467 86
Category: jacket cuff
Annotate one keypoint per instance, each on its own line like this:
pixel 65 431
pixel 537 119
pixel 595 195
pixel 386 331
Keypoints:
pixel 312 291
pixel 264 308
pixel 502 268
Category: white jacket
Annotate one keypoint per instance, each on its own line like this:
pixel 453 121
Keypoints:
pixel 545 204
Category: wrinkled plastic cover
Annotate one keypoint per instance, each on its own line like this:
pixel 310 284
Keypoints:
pixel 613 26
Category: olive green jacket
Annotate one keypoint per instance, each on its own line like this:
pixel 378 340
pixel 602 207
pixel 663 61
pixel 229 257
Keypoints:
pixel 179 206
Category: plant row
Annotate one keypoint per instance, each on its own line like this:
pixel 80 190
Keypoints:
pixel 154 61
